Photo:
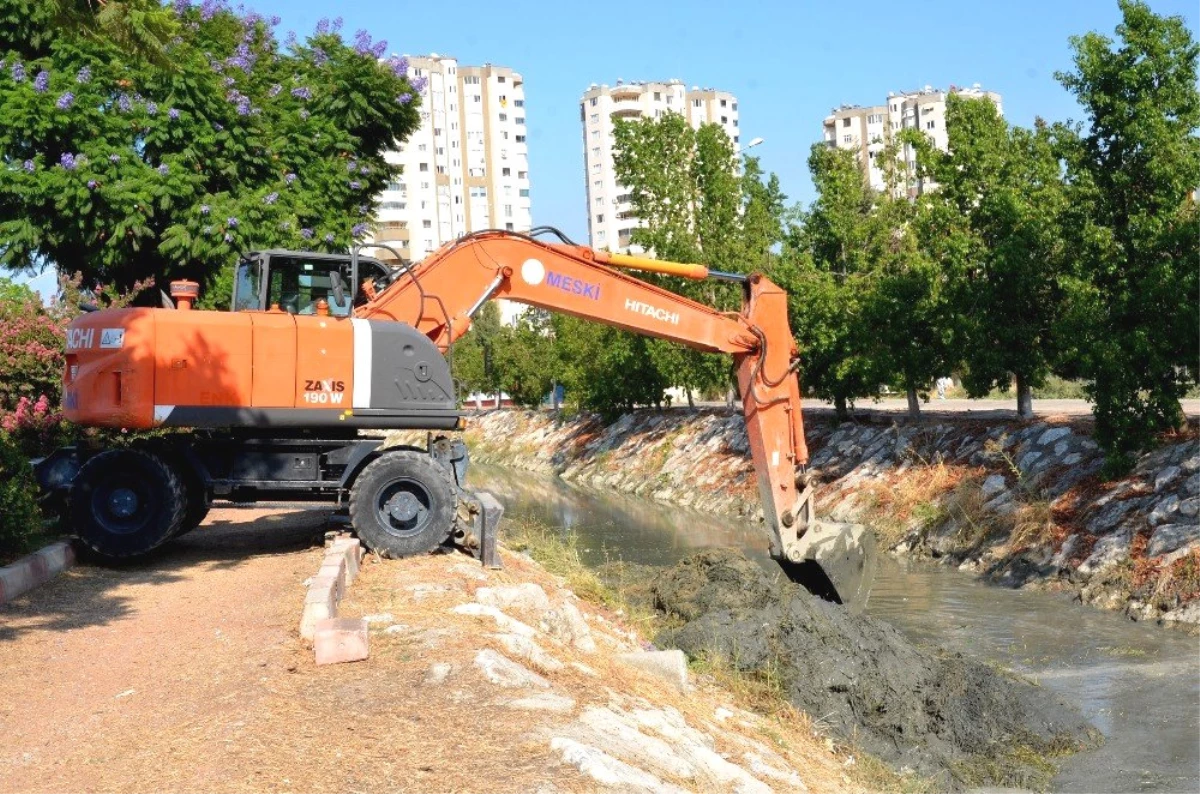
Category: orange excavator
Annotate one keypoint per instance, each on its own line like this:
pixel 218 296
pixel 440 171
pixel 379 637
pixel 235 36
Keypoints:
pixel 275 394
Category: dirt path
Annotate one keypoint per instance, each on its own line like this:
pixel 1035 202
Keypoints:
pixel 184 672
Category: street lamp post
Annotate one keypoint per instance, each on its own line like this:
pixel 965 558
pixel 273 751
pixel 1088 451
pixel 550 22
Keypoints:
pixel 753 142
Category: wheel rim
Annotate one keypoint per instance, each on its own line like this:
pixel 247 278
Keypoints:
pixel 121 506
pixel 404 507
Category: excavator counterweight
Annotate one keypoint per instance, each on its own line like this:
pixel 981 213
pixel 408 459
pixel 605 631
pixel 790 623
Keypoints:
pixel 319 347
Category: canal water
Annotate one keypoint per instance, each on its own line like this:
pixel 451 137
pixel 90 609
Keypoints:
pixel 1139 684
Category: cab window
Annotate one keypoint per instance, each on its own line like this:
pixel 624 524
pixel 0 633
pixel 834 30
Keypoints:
pixel 298 283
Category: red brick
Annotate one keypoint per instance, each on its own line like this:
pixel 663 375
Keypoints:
pixel 340 640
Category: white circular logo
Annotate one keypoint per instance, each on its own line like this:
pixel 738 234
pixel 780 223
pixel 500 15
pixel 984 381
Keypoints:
pixel 533 271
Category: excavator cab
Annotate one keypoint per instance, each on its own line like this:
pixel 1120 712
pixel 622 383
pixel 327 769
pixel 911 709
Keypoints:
pixel 294 281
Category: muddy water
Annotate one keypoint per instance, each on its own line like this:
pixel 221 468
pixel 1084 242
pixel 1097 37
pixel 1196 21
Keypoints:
pixel 1140 685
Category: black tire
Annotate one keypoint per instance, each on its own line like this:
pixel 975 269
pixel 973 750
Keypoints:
pixel 403 504
pixel 125 503
pixel 196 509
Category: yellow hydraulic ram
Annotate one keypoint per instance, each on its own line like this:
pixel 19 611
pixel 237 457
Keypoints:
pixel 692 271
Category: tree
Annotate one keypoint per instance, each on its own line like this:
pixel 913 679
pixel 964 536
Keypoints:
pixel 473 356
pixel 993 228
pixel 827 274
pixel 1133 289
pixel 124 169
pixel 604 369
pixel 526 359
pixel 685 187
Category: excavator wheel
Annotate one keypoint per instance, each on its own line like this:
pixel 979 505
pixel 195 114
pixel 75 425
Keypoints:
pixel 403 504
pixel 196 508
pixel 126 502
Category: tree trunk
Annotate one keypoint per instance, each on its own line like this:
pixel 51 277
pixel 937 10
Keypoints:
pixel 839 407
pixel 1024 398
pixel 691 401
pixel 730 396
pixel 914 403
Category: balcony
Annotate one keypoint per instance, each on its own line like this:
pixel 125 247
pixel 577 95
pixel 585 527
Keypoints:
pixel 626 113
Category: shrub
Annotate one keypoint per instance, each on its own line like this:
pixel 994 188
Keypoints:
pixel 20 518
pixel 35 427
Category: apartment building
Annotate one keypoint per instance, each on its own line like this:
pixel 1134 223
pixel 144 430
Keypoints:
pixel 610 216
pixel 866 130
pixel 466 168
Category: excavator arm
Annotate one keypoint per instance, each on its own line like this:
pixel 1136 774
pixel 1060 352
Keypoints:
pixel 440 295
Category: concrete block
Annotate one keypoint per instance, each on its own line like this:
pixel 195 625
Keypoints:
pixel 340 640
pixel 347 549
pixel 335 570
pixel 15 579
pixel 671 666
pixel 58 556
pixel 319 604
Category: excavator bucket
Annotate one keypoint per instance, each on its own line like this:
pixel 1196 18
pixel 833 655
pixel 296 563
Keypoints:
pixel 835 561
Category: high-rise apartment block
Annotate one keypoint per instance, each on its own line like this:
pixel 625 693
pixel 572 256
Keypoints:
pixel 610 216
pixel 466 168
pixel 868 129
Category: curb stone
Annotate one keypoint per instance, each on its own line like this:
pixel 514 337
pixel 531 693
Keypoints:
pixel 35 569
pixel 339 568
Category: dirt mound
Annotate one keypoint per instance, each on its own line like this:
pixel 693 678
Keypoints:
pixel 941 714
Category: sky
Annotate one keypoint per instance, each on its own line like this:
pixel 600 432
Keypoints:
pixel 788 63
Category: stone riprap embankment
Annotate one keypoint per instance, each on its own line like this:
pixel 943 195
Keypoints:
pixel 1021 503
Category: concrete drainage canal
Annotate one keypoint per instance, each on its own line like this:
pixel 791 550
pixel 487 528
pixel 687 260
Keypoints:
pixel 967 684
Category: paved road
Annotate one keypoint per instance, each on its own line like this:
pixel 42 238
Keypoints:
pixel 975 409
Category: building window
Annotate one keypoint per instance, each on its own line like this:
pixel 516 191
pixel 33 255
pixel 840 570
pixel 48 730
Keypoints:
pixel 424 167
pixel 930 124
pixel 508 227
pixel 479 192
pixel 735 106
pixel 522 175
pixel 508 210
pixel 500 78
pixel 477 99
pixel 722 103
pixel 595 118
pixel 895 108
pixel 697 103
pixel 595 151
pixel 520 139
pixel 426 224
pixel 600 236
pixel 505 172
pixel 847 138
pixel 519 120
pixel 599 219
pixel 504 117
pixel 471 80
pixel 504 135
pixel 724 119
pixel 595 168
pixel 599 201
pixel 657 96
pixel 593 103
pixel 523 192
pixel 518 103
pixel 846 122
pixel 598 184
pixel 595 135
pixel 670 99
pixel 875 118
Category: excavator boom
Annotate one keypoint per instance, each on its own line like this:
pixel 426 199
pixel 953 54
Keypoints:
pixel 447 288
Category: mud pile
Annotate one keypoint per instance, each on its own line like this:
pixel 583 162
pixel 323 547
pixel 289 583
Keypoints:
pixel 940 714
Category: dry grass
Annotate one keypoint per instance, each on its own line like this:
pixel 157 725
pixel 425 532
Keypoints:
pixel 899 504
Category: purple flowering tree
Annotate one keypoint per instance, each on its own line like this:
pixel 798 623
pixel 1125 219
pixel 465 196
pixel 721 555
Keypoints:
pixel 124 167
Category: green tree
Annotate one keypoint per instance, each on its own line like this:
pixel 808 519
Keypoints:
pixel 685 185
pixel 473 357
pixel 526 360
pixel 1133 291
pixel 993 229
pixel 124 169
pixel 604 369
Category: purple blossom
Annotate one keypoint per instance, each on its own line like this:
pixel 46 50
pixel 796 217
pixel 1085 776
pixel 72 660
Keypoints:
pixel 290 38
pixel 204 209
pixel 320 58
pixel 337 24
pixel 181 6
pixel 362 42
pixel 152 108
pixel 65 101
pixel 29 166
pixel 124 104
pixel 83 75
pixel 228 81
pixel 355 185
pixel 216 66
pixel 358 229
pixel 271 198
pixel 418 84
pixel 164 169
pixel 275 20
pixel 379 49
pixel 350 166
pixel 42 81
pixel 243 106
pixel 306 234
pixel 67 161
pixel 322 26
pixel 329 237
pixel 404 99
pixel 207 230
pixel 92 184
pixel 173 114
pixel 232 222
pixel 18 72
pixel 114 158
pixel 304 114
pixel 399 66
pixel 364 170
pixel 209 8
pixel 290 178
pixel 228 237
pixel 274 90
pixel 362 209
pixel 302 93
pixel 285 225
pixel 218 127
